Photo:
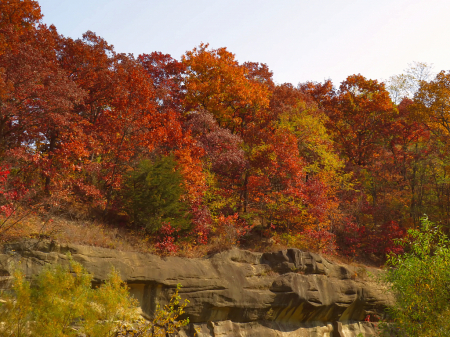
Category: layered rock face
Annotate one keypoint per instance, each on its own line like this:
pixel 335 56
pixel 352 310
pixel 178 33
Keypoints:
pixel 234 293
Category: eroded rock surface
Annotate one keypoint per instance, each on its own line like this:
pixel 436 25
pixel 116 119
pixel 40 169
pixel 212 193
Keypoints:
pixel 234 293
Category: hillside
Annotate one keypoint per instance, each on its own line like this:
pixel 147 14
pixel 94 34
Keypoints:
pixel 201 156
pixel 205 149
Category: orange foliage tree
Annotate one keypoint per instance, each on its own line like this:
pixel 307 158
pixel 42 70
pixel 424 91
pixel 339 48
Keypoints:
pixel 271 186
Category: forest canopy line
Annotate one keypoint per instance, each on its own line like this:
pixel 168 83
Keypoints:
pixel 206 148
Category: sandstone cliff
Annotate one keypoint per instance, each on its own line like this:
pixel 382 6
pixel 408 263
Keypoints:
pixel 234 293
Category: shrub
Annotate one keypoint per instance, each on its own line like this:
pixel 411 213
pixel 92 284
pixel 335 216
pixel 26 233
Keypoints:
pixel 420 280
pixel 164 322
pixel 61 297
pixel 16 311
pixel 63 303
pixel 166 239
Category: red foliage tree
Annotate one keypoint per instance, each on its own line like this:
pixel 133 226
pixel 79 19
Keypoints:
pixel 167 77
pixel 359 115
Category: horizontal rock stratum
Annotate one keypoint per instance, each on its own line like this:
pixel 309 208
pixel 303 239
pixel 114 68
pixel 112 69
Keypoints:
pixel 233 293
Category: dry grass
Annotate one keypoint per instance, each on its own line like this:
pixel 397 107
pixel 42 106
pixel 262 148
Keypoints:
pixel 98 234
pixel 82 232
pixel 101 235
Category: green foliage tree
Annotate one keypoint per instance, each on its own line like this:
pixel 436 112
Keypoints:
pixel 153 195
pixel 420 280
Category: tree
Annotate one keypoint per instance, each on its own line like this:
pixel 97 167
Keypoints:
pixel 217 83
pixel 315 145
pixel 16 18
pixel 269 181
pixel 62 302
pixel 431 108
pixel 234 94
pixel 432 104
pixel 406 85
pixel 120 113
pixel 375 144
pixel 153 195
pixel 21 14
pixel 167 77
pixel 320 93
pixel 36 102
pixel 165 320
pixel 223 149
pixel 359 114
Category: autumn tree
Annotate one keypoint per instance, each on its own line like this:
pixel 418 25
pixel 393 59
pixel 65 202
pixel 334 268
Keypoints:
pixel 225 155
pixel 223 161
pixel 119 114
pixel 358 117
pixel 432 104
pixel 37 126
pixel 167 78
pixel 217 83
pixel 320 93
pixel 365 128
pixel 16 18
pixel 430 108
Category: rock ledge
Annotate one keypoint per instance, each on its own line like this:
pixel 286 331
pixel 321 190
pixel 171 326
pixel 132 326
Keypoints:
pixel 233 293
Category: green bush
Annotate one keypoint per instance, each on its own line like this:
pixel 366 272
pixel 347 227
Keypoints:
pixel 153 193
pixel 420 280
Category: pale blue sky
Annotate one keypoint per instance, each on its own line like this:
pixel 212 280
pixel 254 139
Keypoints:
pixel 300 40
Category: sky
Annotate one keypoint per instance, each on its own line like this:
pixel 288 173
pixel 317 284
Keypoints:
pixel 300 40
